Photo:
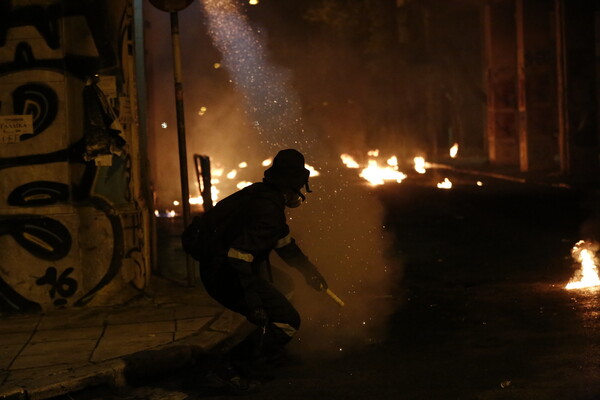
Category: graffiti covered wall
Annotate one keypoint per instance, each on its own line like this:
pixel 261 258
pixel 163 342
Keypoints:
pixel 73 226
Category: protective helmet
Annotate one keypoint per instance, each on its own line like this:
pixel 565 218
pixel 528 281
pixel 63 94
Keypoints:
pixel 288 173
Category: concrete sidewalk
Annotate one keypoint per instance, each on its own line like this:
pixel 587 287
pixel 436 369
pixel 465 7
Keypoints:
pixel 165 328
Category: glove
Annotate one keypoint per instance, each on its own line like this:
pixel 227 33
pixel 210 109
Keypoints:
pixel 258 316
pixel 315 280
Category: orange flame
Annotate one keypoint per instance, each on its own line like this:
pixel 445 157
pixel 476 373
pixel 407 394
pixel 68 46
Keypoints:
pixel 587 276
pixel 349 161
pixel 420 165
pixel 454 150
pixel 377 175
pixel 446 184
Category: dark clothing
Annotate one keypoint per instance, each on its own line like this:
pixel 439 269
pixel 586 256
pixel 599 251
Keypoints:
pixel 251 220
pixel 244 228
pixel 233 241
pixel 223 284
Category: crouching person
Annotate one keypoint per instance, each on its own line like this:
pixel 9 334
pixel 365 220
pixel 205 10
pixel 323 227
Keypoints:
pixel 233 243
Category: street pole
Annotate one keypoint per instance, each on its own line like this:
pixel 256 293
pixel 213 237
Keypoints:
pixel 172 7
pixel 183 169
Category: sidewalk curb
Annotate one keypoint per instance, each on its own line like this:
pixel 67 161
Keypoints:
pixel 224 332
pixel 68 381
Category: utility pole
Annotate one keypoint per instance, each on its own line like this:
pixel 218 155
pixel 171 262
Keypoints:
pixel 173 7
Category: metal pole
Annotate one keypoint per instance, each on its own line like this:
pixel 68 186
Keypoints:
pixel 183 170
pixel 563 144
pixel 521 89
pixel 491 142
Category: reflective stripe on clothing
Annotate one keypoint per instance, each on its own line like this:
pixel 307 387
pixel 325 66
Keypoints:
pixel 240 255
pixel 287 329
pixel 284 241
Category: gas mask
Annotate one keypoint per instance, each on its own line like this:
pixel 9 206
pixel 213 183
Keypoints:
pixel 294 199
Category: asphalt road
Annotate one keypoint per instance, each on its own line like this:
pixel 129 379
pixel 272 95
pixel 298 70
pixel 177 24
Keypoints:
pixel 485 314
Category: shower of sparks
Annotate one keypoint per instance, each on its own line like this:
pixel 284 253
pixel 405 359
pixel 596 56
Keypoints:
pixel 243 164
pixel 267 162
pixel 202 111
pixel 274 110
pixel 217 65
pixel 164 125
pixel 271 102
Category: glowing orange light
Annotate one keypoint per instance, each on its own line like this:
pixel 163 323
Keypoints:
pixel 454 150
pixel 420 164
pixel 312 170
pixel 349 161
pixel 587 276
pixel 377 175
pixel 243 184
pixel 446 184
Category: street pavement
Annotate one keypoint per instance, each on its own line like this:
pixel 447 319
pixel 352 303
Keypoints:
pixel 169 326
pixel 166 327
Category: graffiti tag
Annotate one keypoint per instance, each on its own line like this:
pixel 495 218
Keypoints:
pixel 61 284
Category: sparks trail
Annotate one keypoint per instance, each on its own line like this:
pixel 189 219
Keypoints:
pixel 271 102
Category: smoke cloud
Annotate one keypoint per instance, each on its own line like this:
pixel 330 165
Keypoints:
pixel 256 114
pixel 340 229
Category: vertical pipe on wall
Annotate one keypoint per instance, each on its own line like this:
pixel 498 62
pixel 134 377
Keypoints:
pixel 489 84
pixel 141 106
pixel 521 89
pixel 561 86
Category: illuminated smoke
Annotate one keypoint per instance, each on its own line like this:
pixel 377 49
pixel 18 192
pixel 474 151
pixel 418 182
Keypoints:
pixel 340 229
pixel 271 102
pixel 340 226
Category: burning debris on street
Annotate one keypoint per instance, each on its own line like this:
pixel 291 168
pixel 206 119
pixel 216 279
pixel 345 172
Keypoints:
pixel 584 252
pixel 341 226
pixel 375 170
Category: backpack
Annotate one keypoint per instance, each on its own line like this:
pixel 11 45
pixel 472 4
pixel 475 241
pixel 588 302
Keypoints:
pixel 208 232
pixel 196 238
